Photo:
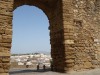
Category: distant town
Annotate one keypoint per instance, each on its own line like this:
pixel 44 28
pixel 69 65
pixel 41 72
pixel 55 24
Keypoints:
pixel 31 60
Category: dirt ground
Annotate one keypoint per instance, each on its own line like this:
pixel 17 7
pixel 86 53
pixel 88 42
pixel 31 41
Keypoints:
pixel 48 72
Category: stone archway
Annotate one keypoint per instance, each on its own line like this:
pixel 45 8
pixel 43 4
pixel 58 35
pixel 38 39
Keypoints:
pixel 53 12
pixel 74 32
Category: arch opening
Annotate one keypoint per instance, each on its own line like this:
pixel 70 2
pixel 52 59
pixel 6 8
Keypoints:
pixel 38 19
pixel 30 37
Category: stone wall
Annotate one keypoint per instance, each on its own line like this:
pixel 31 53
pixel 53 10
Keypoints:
pixel 74 32
pixel 81 34
pixel 5 35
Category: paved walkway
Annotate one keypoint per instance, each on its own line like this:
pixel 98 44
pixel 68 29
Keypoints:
pixel 48 72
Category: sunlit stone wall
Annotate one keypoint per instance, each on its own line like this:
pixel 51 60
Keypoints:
pixel 6 7
pixel 74 32
pixel 81 34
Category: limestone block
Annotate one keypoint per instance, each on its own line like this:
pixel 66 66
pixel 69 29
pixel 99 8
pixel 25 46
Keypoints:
pixel 69 42
pixel 69 65
pixel 5 21
pixel 5 59
pixel 8 31
pixel 8 45
pixel 6 50
pixel 87 65
pixel 69 51
pixel 1 49
pixel 68 70
pixel 69 61
pixel 76 67
pixel 68 27
pixel 2 30
pixel 98 55
pixel 96 40
pixel 95 62
pixel 6 38
pixel 0 59
pixel 6 66
pixel 10 27
pixel 6 70
pixel 70 57
pixel 84 59
pixel 1 70
pixel 69 37
pixel 4 54
pixel 0 38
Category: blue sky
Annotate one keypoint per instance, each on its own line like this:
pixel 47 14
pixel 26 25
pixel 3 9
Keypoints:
pixel 30 30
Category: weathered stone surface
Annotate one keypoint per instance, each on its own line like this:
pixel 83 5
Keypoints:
pixel 74 32
pixel 0 38
pixel 82 25
pixel 69 42
pixel 87 65
pixel 6 45
pixel 4 73
pixel 6 38
pixel 2 31
pixel 4 54
pixel 8 31
pixel 69 61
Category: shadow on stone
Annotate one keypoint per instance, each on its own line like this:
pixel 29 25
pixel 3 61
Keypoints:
pixel 28 71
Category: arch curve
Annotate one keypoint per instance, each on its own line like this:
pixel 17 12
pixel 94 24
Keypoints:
pixel 37 3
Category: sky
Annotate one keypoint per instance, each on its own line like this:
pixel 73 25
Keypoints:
pixel 30 31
